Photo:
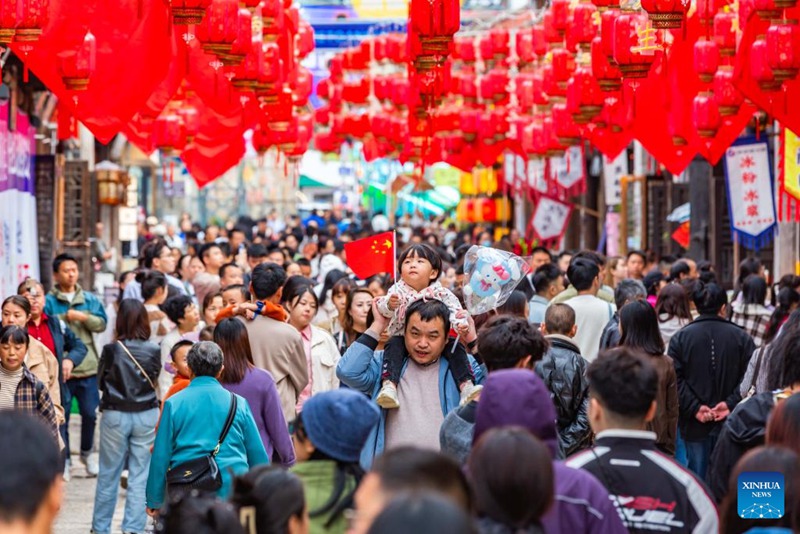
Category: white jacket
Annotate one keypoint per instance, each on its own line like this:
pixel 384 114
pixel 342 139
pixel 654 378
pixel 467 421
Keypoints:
pixel 324 358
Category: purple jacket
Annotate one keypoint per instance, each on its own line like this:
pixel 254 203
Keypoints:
pixel 258 388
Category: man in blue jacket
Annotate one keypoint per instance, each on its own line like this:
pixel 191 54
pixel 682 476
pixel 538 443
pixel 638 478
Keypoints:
pixel 427 389
pixel 84 314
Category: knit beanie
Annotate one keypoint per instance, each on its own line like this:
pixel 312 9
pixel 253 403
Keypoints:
pixel 338 423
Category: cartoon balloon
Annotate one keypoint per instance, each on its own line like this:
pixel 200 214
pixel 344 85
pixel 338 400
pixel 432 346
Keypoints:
pixel 492 275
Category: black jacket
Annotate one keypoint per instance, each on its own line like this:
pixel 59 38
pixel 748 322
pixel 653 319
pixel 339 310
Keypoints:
pixel 652 492
pixel 611 335
pixel 563 370
pixel 122 384
pixel 744 429
pixel 710 356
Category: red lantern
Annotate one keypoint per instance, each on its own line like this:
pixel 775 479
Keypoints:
pixel 8 20
pixel 500 42
pixel 706 60
pixel 724 33
pixel 608 76
pixel 243 42
pixel 261 139
pixel 272 19
pixel 706 115
pixel 464 49
pixel 584 97
pixel 433 22
pixel 564 126
pixel 560 11
pixel 76 66
pixel 563 67
pixel 634 52
pixel 524 48
pixel 783 49
pixel 539 40
pixel 33 19
pixel 247 75
pixel 665 14
pixel 272 75
pixel 302 84
pixel 305 39
pixel 728 97
pixel 706 9
pixel 540 97
pixel 616 114
pixel 169 135
pixel 551 34
pixel 191 121
pixel 583 28
pixel 468 120
pixel 759 66
pixel 767 9
pixel 185 12
pixel 220 27
pixel 602 5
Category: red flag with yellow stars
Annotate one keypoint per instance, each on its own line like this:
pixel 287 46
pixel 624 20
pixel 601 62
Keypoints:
pixel 372 255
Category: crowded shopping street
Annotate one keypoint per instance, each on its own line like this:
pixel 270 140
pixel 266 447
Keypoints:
pixel 399 266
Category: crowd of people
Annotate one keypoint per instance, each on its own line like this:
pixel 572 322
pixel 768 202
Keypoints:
pixel 254 384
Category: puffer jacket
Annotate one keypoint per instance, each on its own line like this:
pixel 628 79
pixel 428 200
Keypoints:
pixel 563 371
pixel 744 429
pixel 120 380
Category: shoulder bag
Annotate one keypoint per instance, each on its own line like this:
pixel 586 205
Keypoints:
pixel 201 474
pixel 138 366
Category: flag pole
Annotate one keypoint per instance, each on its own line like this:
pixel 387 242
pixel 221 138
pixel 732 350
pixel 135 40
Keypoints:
pixel 394 255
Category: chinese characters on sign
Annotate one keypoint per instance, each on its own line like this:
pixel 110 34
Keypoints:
pixel 750 196
pixel 613 171
pixel 550 219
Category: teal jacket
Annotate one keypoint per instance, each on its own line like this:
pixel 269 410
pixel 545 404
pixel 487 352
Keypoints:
pixel 57 305
pixel 191 423
pixel 360 369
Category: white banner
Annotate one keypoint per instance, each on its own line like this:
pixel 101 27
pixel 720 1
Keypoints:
pixel 550 218
pixel 750 196
pixel 613 171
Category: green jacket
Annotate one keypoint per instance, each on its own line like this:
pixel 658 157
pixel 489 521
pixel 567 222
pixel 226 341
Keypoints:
pixel 57 305
pixel 318 480
pixel 602 294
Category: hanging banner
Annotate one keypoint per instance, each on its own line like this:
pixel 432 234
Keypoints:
pixel 751 201
pixel 19 245
pixel 537 178
pixel 568 173
pixel 613 171
pixel 789 191
pixel 550 219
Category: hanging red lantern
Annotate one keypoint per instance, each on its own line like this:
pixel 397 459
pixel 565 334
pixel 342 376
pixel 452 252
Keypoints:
pixel 539 40
pixel 169 135
pixel 759 66
pixel 767 9
pixel 434 23
pixel 665 14
pixel 524 48
pixel 560 11
pixel 247 75
pixel 602 5
pixel 564 126
pixel 302 84
pixel 706 9
pixel 500 42
pixel 468 121
pixel 617 114
pixel 554 146
pixel 607 20
pixel 583 28
pixel 706 59
pixel 261 139
pixel 220 27
pixel 191 121
pixel 729 98
pixel 485 49
pixel 635 44
pixel 32 18
pixel 783 49
pixel 8 20
pixel 725 33
pixel 76 66
pixel 185 12
pixel 272 19
pixel 305 40
pixel 272 75
pixel 464 49
pixel 584 97
pixel 243 42
pixel 706 115
pixel 563 67
pixel 608 76
pixel 540 97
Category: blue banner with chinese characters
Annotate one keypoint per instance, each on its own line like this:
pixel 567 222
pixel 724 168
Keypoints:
pixel 751 196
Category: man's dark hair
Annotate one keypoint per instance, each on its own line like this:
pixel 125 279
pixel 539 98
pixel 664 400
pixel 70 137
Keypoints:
pixel 582 273
pixel 227 266
pixel 257 250
pixel 709 298
pixel 679 268
pixel 596 257
pixel 206 249
pixel 405 469
pixel 545 276
pixel 422 512
pixel 505 341
pixel 637 253
pixel 63 258
pixel 151 251
pixel 429 310
pixel 175 307
pixel 267 279
pixel 541 250
pixel 181 343
pixel 30 464
pixel 303 262
pixel 422 250
pixel 624 382
pixel 559 319
pixel 629 290
pixel 241 288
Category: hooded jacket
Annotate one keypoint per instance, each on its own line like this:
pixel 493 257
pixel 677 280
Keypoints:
pixel 744 429
pixel 710 356
pixel 518 397
pixel 563 371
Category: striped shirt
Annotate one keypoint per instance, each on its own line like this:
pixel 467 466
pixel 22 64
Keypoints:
pixel 9 381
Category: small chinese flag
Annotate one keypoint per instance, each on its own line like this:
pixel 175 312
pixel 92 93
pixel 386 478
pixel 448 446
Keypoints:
pixel 371 255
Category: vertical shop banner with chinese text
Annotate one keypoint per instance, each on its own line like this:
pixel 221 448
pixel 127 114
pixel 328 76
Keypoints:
pixel 789 191
pixel 751 200
pixel 550 219
pixel 19 247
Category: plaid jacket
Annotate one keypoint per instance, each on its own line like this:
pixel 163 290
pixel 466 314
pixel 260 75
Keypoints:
pixel 32 397
pixel 754 319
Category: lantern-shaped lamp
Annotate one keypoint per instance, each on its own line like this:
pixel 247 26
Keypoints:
pixel 665 14
pixel 564 126
pixel 608 76
pixel 583 28
pixel 729 98
pixel 635 44
pixel 169 134
pixel 220 27
pixel 767 9
pixel 783 49
pixel 759 66
pixel 725 33
pixel 584 97
pixel 706 59
pixel 186 12
pixel 243 43
pixel 560 11
pixel 433 23
pixel 272 19
pixel 76 66
pixel 191 121
pixel 32 20
pixel 8 20
pixel 706 115
pixel 112 183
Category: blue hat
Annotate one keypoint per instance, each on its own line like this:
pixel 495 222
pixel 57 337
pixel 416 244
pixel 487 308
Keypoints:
pixel 338 422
